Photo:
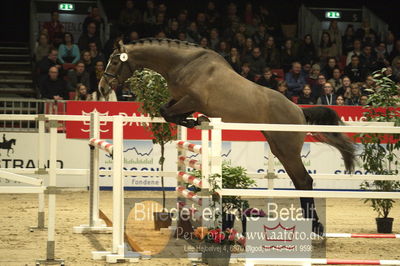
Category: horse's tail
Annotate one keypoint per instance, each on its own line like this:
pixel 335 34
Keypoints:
pixel 325 116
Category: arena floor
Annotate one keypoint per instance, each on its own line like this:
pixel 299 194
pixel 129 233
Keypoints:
pixel 19 247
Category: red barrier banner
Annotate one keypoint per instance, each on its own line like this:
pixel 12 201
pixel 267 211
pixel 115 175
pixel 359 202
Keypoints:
pixel 80 130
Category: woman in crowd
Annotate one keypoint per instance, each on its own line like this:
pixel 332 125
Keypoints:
pixel 328 97
pixel 95 54
pixel 307 51
pixel 346 82
pixel 327 48
pixel 234 59
pixel 81 93
pixel 336 37
pixel 340 100
pixel 353 98
pixel 306 97
pixel 331 63
pixel 271 53
pixel 42 47
pixel 248 47
pixel 68 52
pixel 313 77
pixel 336 80
pixel 288 55
pixel 348 39
pixel 223 49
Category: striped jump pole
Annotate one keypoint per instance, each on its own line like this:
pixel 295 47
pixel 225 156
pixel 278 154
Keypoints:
pixel 188 194
pixel 190 162
pixel 350 235
pixel 189 146
pixel 184 177
pixel 102 144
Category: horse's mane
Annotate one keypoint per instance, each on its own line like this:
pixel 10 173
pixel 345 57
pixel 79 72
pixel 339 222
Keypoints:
pixel 166 40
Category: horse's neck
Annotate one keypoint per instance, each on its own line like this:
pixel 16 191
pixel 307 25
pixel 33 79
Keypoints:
pixel 158 57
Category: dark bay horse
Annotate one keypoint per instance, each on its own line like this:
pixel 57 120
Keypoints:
pixel 200 80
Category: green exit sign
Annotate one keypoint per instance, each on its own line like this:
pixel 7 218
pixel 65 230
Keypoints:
pixel 332 14
pixel 66 7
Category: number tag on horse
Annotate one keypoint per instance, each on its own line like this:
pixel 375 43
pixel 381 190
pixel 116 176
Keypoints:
pixel 123 57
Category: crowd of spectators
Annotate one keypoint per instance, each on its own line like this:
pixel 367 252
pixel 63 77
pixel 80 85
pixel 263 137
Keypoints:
pixel 335 70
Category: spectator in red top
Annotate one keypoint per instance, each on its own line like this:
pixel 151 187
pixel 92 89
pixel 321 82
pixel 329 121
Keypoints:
pixel 55 29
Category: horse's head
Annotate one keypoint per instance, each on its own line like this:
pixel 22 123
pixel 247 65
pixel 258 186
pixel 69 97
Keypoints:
pixel 117 71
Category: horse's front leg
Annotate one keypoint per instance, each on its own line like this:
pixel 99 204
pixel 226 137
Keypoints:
pixel 178 111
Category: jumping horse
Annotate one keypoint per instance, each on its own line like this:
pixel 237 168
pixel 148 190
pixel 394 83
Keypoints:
pixel 200 80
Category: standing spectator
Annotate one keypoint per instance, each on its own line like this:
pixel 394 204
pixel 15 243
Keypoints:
pixel 355 94
pixel 336 37
pixel 313 77
pixel 340 100
pixel 130 17
pixel 212 15
pixel 214 39
pixel 248 13
pixel 336 80
pixel 82 93
pixel 268 80
pixel 363 32
pixel 331 63
pixel 368 59
pixel 248 47
pixel 307 51
pixel 327 48
pixel 52 87
pixel 354 70
pixel 78 75
pixel 223 49
pixel 68 52
pixel 246 73
pixel 42 47
pixel 149 17
pixel 234 60
pixel 95 54
pixel 46 63
pixel 346 82
pixel 54 29
pixel 381 55
pixel 389 41
pixel 318 88
pixel 306 96
pixel 356 51
pixel 94 16
pixel 88 37
pixel 348 39
pixel 295 79
pixel 202 26
pixel 96 75
pixel 271 53
pixel 288 55
pixel 283 88
pixel 87 60
pixel 272 24
pixel 257 61
pixel 328 98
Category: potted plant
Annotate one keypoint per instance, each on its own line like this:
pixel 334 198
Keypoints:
pixel 379 154
pixel 151 91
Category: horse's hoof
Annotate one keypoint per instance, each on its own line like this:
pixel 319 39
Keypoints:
pixel 202 119
pixel 317 228
pixel 189 123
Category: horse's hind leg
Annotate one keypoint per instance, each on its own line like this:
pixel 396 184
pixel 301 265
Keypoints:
pixel 287 150
pixel 177 111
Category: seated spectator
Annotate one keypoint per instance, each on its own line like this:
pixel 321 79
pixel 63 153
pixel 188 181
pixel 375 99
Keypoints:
pixel 201 22
pixel 260 36
pixel 307 51
pixel 81 93
pixel 246 73
pixel 78 75
pixel 340 100
pixel 42 47
pixel 96 75
pixel 336 79
pixel 327 70
pixel 149 14
pixel 364 100
pixel 239 41
pixel 94 17
pixel 129 17
pixel 313 77
pixel 203 42
pixel 288 55
pixel 356 51
pixel 46 63
pixel 256 61
pixel 363 32
pixel 306 70
pixel 212 14
pixel 248 47
pixel 328 98
pixel 389 42
pixel 353 98
pixel 346 82
pixel 234 60
pixel 283 88
pixel 68 52
pixel 306 97
pixel 348 39
pixel 271 53
pixel 354 70
pixel 327 48
pixel 88 37
pixel 223 49
pixel 267 79
pixel 133 36
pixel 318 88
pixel 368 59
pixel 183 20
pixel 87 60
pixel 54 29
pixel 53 87
pixel 192 34
pixel 182 37
pixel 295 79
pixel 381 55
pixel 336 37
pixel 95 54
pixel 161 23
pixel 172 30
pixel 369 86
pixel 214 39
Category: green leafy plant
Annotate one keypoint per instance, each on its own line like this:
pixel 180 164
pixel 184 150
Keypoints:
pixel 378 157
pixel 151 91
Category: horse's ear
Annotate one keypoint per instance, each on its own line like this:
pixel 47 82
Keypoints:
pixel 120 45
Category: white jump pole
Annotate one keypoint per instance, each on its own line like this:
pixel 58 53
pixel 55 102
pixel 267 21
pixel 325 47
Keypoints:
pixel 41 170
pixel 216 159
